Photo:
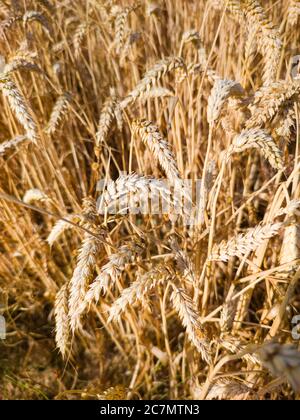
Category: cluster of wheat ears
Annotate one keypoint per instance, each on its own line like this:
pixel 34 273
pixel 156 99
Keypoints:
pixel 129 94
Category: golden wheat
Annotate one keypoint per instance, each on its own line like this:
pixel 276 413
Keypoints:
pixel 149 288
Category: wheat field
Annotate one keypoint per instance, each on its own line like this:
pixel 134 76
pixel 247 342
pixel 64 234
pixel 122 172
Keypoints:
pixel 107 108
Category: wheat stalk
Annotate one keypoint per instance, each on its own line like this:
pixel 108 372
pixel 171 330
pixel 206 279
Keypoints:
pixel 5 10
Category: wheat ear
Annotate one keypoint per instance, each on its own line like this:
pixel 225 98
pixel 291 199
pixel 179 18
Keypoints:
pixel 59 111
pixel 293 13
pixel 138 290
pixel 258 139
pixel 61 226
pixel 159 147
pixel 232 6
pixel 269 100
pixel 184 263
pixel 190 319
pixel 221 91
pixel 234 346
pixel 109 274
pixel 133 189
pixel 117 392
pixel 285 123
pixel 34 16
pixel 290 249
pixel 156 92
pixel 22 60
pixel 151 77
pixel 9 22
pixel 80 33
pixel 12 143
pixel 19 106
pixel 47 6
pixel 86 262
pixel 84 269
pixel 109 112
pixel 34 194
pixel 243 244
pixel 226 389
pixel 62 326
pixel 269 41
pixel 121 20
